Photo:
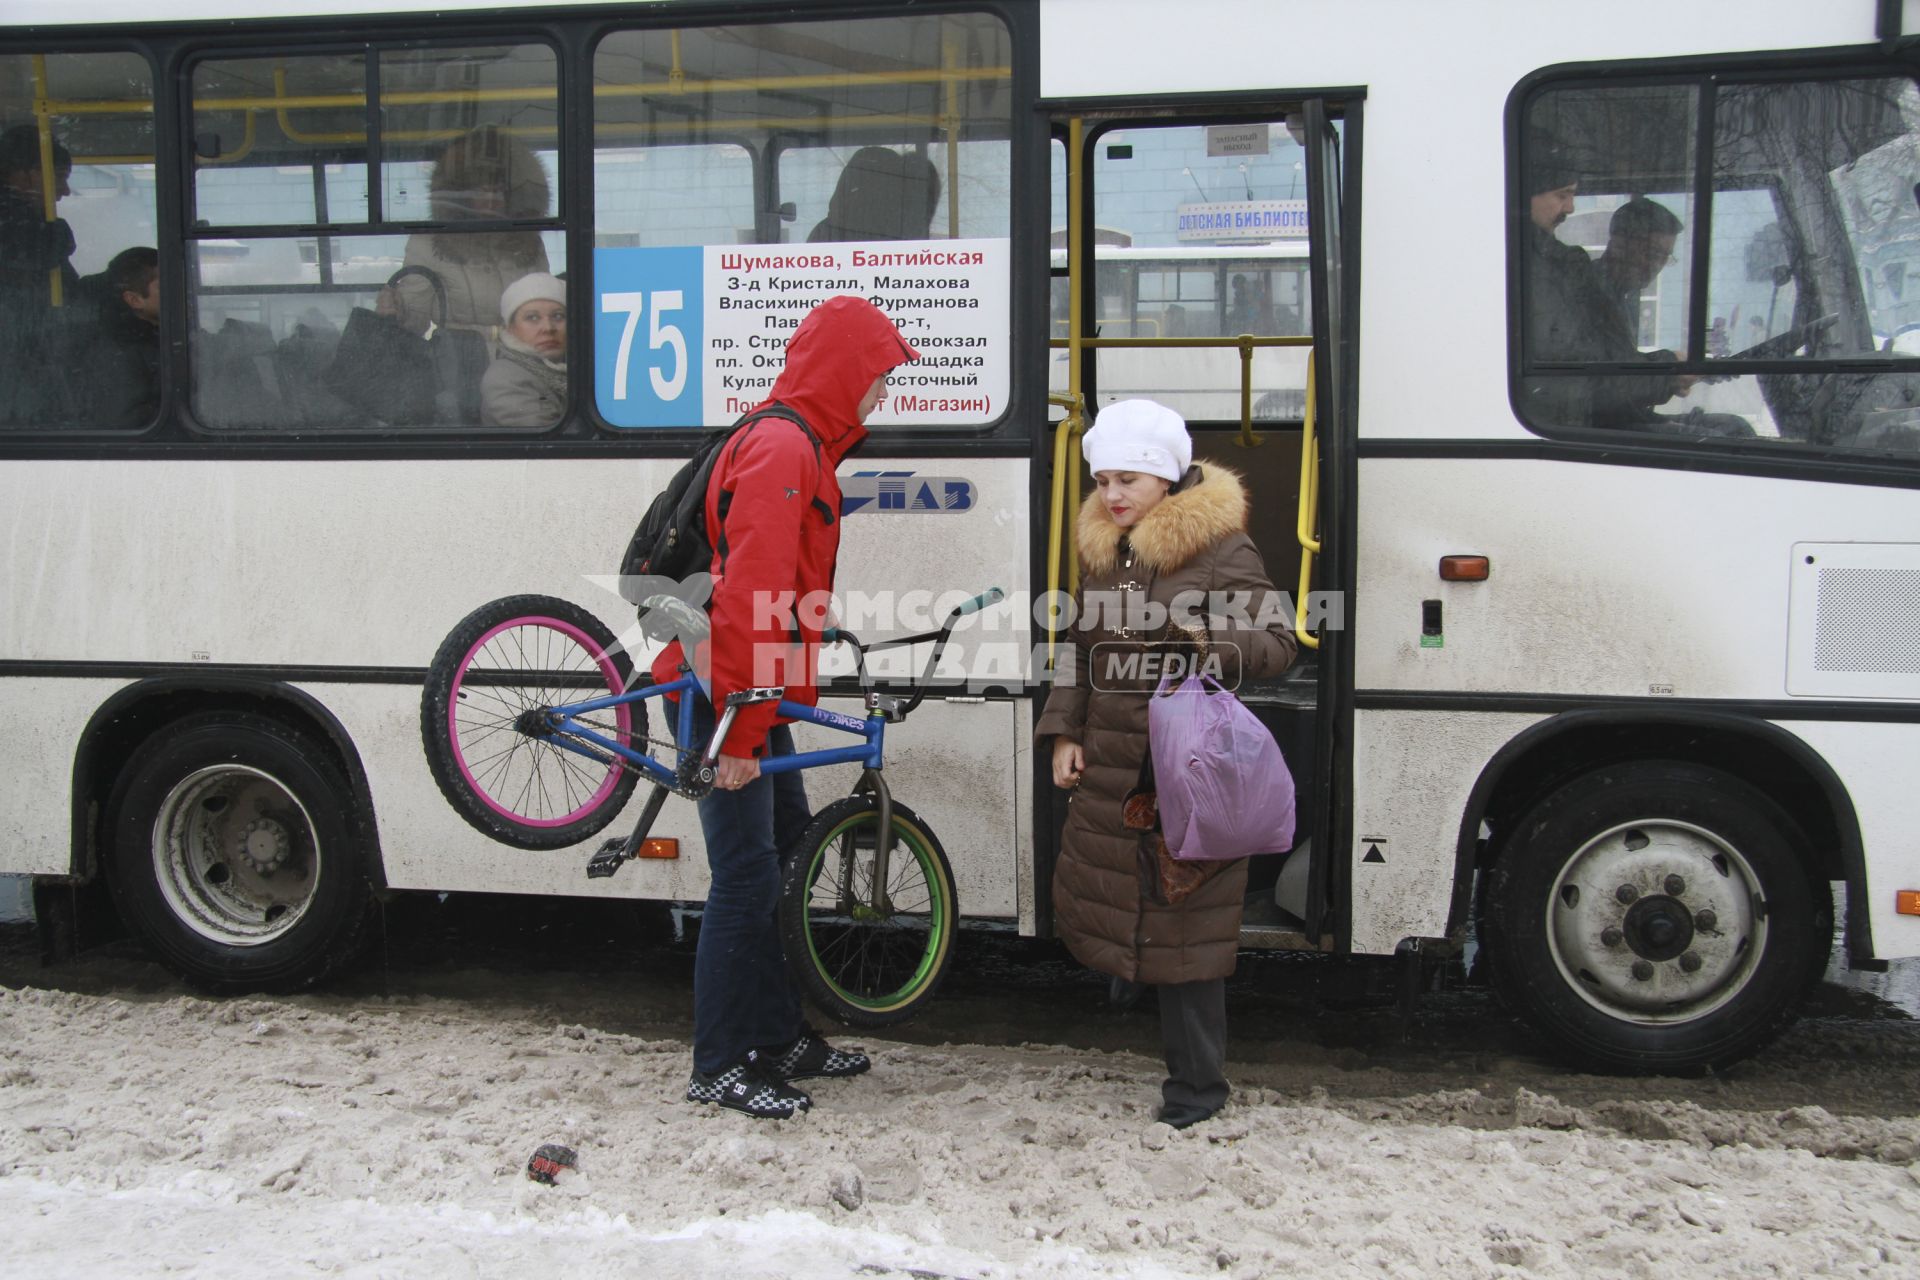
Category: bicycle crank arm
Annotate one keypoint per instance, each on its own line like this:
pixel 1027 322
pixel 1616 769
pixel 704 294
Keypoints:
pixel 616 853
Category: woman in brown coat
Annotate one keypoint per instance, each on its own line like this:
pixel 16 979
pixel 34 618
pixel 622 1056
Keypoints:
pixel 1166 566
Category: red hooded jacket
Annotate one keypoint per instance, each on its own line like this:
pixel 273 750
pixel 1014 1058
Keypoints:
pixel 775 544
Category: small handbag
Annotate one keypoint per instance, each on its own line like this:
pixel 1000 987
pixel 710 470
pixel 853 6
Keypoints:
pixel 400 379
pixel 1166 881
pixel 1222 787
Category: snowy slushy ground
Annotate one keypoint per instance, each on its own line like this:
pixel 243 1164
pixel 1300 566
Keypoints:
pixel 149 1132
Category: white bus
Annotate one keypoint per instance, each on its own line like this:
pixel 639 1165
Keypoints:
pixel 1631 689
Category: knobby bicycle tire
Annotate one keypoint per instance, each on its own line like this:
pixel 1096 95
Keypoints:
pixel 503 660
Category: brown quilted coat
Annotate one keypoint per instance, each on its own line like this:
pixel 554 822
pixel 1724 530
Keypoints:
pixel 1193 541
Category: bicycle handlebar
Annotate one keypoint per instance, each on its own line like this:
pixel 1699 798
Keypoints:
pixel 835 635
pixel 991 596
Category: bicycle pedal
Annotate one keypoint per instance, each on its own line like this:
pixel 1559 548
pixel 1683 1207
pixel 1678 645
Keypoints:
pixel 607 859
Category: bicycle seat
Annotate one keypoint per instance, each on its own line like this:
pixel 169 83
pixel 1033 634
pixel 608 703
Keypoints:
pixel 689 624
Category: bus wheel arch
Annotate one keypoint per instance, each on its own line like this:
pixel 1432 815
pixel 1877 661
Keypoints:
pixel 1656 916
pixel 1554 751
pixel 224 898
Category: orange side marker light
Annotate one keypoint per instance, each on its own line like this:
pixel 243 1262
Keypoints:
pixel 1464 568
pixel 1907 902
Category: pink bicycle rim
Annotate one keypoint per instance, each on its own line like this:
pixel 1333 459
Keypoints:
pixel 603 660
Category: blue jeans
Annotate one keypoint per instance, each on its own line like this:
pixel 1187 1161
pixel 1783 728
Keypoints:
pixel 744 997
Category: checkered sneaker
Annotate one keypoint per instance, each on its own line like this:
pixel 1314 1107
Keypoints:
pixel 809 1058
pixel 744 1087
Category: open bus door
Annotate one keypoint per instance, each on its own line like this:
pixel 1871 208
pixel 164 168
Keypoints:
pixel 1243 336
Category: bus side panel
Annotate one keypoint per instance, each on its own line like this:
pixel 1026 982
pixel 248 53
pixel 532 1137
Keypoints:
pixel 41 722
pixel 949 764
pixel 1605 580
pixel 1413 772
pixel 1876 760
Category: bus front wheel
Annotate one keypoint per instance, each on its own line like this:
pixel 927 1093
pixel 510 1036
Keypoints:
pixel 234 851
pixel 1656 916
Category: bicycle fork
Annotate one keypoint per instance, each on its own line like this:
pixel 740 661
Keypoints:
pixel 875 783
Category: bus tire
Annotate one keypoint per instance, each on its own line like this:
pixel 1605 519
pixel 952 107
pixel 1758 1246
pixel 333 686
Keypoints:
pixel 864 963
pixel 1656 917
pixel 237 850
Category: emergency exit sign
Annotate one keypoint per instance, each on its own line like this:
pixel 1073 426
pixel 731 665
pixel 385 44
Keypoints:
pixel 1236 139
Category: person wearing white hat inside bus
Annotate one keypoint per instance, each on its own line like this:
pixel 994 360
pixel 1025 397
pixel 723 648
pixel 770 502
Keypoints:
pixel 526 385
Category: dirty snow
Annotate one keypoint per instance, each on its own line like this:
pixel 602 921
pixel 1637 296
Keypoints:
pixel 151 1133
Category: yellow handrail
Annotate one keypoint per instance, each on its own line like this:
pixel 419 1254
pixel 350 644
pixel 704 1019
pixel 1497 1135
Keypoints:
pixel 1244 343
pixel 1309 516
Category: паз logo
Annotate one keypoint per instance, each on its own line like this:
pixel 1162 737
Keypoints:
pixel 904 493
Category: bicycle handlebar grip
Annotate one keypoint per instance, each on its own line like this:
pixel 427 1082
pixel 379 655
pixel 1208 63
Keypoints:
pixel 991 596
pixel 831 635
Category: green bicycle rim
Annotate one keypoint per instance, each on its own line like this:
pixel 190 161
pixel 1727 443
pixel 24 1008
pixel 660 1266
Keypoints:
pixel 938 925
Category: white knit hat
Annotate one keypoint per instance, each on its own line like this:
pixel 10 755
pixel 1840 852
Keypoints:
pixel 1139 435
pixel 526 289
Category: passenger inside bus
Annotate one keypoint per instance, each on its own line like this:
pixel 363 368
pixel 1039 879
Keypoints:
pixel 32 248
pixel 1582 310
pixel 119 360
pixel 526 385
pixel 882 194
pixel 484 175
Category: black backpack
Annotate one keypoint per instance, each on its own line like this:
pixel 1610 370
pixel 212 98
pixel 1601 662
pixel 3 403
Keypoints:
pixel 671 540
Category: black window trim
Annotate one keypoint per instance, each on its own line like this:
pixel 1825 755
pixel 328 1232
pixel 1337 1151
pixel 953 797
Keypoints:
pixel 573 32
pixel 1635 448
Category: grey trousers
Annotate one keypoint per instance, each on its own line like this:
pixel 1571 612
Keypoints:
pixel 1193 1027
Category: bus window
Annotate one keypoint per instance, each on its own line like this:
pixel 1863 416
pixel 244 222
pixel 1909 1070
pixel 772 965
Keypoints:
pixel 79 290
pixel 1193 245
pixel 299 286
pixel 722 154
pixel 1812 217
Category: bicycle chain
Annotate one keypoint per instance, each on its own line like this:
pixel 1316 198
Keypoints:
pixel 614 732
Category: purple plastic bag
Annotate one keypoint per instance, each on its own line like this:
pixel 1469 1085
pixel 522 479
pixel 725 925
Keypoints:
pixel 1223 789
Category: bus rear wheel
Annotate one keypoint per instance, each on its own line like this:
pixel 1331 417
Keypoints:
pixel 235 850
pixel 1656 917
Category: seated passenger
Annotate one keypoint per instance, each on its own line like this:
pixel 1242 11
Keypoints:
pixel 121 365
pixel 882 195
pixel 1640 240
pixel 526 385
pixel 1581 310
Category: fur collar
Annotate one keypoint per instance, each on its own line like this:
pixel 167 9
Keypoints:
pixel 1182 525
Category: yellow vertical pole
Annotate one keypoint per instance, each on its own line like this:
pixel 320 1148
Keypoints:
pixel 49 198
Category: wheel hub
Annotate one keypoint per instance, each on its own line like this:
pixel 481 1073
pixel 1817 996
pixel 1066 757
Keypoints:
pixel 1658 928
pixel 264 844
pixel 1656 921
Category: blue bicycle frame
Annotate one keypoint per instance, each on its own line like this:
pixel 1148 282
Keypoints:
pixel 567 730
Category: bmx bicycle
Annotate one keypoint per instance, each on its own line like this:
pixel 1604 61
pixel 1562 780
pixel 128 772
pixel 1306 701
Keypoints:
pixel 537 737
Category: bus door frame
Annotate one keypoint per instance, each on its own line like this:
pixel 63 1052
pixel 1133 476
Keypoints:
pixel 1333 202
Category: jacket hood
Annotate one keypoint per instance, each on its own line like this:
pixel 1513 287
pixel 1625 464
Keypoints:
pixel 1210 503
pixel 832 358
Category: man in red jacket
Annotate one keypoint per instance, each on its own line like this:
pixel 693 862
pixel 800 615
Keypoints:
pixel 773 513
